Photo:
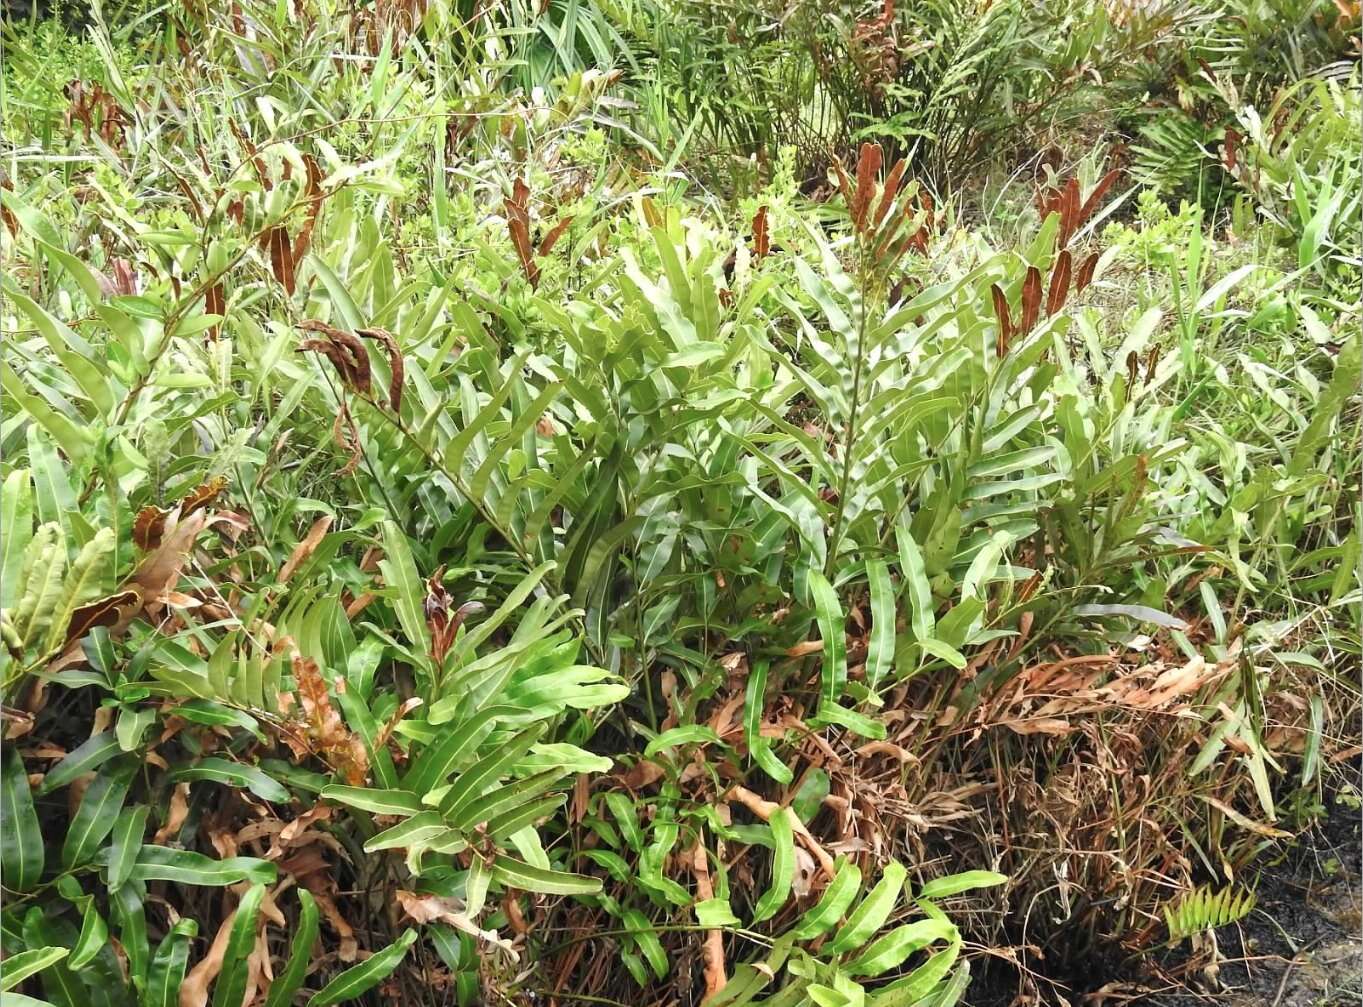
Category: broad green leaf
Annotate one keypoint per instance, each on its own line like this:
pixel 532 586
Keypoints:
pixel 126 844
pixel 287 983
pixel 234 774
pixel 472 782
pixel 832 905
pixel 167 970
pixel 415 830
pixel 716 913
pixel 20 965
pixel 433 766
pixel 833 677
pixel 782 867
pixel 99 810
pixel 84 583
pixel 161 863
pixel 85 758
pixel 21 840
pixel 378 802
pixel 890 950
pixel 75 354
pixel 400 574
pixel 1141 613
pixel 924 618
pixel 873 911
pixel 16 517
pixel 880 646
pixel 754 698
pixel 687 734
pixel 515 874
pixel 230 988
pixel 361 978
pixel 954 884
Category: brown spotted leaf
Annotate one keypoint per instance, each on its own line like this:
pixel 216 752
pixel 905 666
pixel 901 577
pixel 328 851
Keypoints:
pixel 148 526
pixel 202 496
pixel 395 365
pixel 102 612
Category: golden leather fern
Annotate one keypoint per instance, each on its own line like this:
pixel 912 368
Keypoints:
pixel 1206 909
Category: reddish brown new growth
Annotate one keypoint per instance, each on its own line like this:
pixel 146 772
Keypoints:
pixel 518 226
pixel 1005 336
pixel 548 242
pixel 97 112
pixel 1060 283
pixel 215 303
pixel 761 240
pixel 1085 276
pixel 1074 212
pixel 868 165
pixel 276 239
pixel 891 191
pixel 1031 299
pixel 443 623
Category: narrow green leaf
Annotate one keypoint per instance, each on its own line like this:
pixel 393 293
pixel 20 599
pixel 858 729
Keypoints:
pixel 954 884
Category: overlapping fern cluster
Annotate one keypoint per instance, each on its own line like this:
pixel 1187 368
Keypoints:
pixel 441 547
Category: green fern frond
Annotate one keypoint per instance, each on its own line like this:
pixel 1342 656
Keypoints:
pixel 1205 909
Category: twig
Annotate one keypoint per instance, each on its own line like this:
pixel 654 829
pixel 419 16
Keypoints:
pixel 713 948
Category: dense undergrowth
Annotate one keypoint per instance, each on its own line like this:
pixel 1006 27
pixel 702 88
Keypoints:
pixel 501 506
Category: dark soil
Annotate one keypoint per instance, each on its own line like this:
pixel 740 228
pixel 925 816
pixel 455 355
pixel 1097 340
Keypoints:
pixel 1302 946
